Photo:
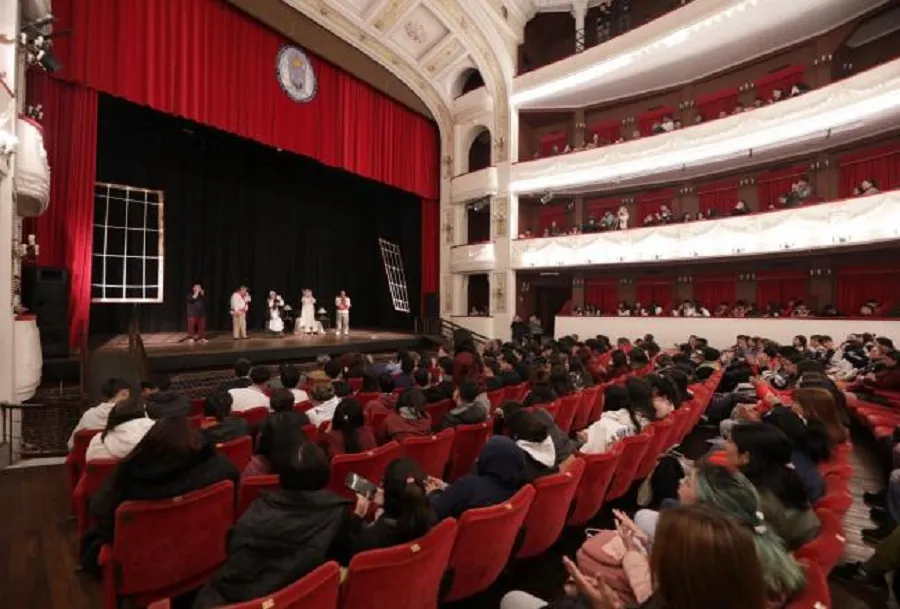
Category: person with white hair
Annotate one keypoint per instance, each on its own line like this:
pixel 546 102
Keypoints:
pixel 306 323
pixel 276 304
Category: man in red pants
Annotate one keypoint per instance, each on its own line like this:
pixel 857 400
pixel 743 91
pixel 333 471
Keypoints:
pixel 196 314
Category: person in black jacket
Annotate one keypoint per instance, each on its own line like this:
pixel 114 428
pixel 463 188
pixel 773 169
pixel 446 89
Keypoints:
pixel 283 535
pixel 218 425
pixel 541 392
pixel 241 376
pixel 434 392
pixel 491 379
pixel 508 374
pixel 172 459
pixel 532 436
pixel 467 411
pixel 162 401
pixel 196 314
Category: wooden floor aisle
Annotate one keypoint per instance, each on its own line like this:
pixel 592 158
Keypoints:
pixel 38 545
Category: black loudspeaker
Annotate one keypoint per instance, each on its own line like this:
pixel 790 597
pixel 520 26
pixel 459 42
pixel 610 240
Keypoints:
pixel 432 305
pixel 45 292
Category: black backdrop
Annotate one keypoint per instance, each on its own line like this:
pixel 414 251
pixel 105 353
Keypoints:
pixel 240 212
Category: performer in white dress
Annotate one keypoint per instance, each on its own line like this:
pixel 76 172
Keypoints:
pixel 276 303
pixel 240 304
pixel 307 321
pixel 342 304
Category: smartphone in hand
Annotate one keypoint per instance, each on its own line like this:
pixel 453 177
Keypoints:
pixel 360 485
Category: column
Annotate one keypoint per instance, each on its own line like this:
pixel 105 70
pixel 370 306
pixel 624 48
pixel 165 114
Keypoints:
pixel 579 11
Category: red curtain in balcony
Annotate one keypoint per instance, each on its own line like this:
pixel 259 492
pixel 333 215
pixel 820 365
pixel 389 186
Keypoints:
pixel 709 106
pixel 66 229
pixel 649 202
pixel 773 184
pixel 720 196
pixel 856 285
pixel 597 207
pixel 553 139
pixel 603 293
pixel 657 291
pixel 783 79
pixel 608 132
pixel 778 287
pixel 209 62
pixel 881 164
pixel 647 119
pixel 712 290
pixel 547 214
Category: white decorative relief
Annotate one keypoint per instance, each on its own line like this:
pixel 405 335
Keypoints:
pixel 471 258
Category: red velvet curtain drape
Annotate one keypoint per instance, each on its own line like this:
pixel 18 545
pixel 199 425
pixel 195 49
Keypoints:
pixel 649 203
pixel 709 106
pixel 856 285
pixel 431 246
pixel 720 196
pixel 778 287
pixel 208 62
pixel 712 290
pixel 603 293
pixel 880 164
pixel 553 213
pixel 66 228
pixel 657 291
pixel 773 184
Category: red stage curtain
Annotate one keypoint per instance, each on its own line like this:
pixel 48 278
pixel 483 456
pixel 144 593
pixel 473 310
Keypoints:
pixel 778 287
pixel 649 202
pixel 431 245
pixel 773 184
pixel 553 139
pixel 548 213
pixel 659 291
pixel 783 79
pixel 208 62
pixel 855 285
pixel 712 290
pixel 880 164
pixel 647 119
pixel 608 132
pixel 603 293
pixel 66 229
pixel 710 105
pixel 596 208
pixel 720 196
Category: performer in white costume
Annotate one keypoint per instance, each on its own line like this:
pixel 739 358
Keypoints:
pixel 240 304
pixel 276 303
pixel 307 321
pixel 342 304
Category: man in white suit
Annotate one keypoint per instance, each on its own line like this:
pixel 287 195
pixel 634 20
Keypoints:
pixel 342 304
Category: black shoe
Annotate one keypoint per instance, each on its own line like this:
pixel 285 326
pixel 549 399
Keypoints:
pixel 879 515
pixel 877 535
pixel 876 498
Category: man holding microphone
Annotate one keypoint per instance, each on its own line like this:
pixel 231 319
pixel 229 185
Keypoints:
pixel 342 304
pixel 196 314
pixel 240 304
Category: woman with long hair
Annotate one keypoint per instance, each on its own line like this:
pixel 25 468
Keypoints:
pixel 126 426
pixel 621 418
pixel 409 418
pixel 560 381
pixel 818 404
pixel 640 395
pixel 349 433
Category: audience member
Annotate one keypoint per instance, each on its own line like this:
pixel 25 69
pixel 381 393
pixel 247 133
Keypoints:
pixel 218 425
pixel 253 395
pixel 408 419
pixel 162 401
pixel 241 377
pixel 126 425
pixel 349 433
pixel 113 391
pixel 290 379
pixel 321 393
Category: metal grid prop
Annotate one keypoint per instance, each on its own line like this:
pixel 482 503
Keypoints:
pixel 128 252
pixel 393 270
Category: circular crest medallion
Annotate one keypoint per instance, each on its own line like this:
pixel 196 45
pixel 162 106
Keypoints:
pixel 295 74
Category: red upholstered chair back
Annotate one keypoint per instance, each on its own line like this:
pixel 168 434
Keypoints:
pixel 251 488
pixel 633 449
pixel 196 421
pixel 253 416
pixel 828 546
pixel 312 432
pixel 92 478
pixel 167 547
pixel 319 589
pixel 467 444
pixel 197 405
pixel 75 460
pixel 598 474
pixel 496 397
pixel 816 595
pixel 552 408
pixel 407 576
pixel 432 453
pixel 597 408
pixel 365 398
pixel 239 451
pixel 566 414
pixel 303 406
pixel 585 408
pixel 515 392
pixel 550 509
pixel 662 431
pixel 355 383
pixel 370 465
pixel 437 410
pixel 485 543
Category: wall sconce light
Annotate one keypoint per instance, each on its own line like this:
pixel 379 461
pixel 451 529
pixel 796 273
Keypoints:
pixel 685 190
pixel 819 272
pixel 684 279
pixel 747 86
pixel 627 200
pixel 747 277
pixel 626 281
pixel 848 67
pixel 816 165
pixel 822 59
pixel 577 282
pixel 526 287
pixel 688 103
pixel 581 125
pixel 747 182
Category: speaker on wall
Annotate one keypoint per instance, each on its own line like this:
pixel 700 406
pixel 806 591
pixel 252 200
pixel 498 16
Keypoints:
pixel 45 292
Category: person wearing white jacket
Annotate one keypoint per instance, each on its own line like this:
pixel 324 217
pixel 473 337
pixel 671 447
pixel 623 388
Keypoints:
pixel 619 420
pixel 114 391
pixel 126 427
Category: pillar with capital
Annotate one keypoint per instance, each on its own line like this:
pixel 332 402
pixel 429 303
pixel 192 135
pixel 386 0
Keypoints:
pixel 579 11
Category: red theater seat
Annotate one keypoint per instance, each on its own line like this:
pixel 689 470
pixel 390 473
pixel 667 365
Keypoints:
pixel 496 398
pixel 816 595
pixel 828 546
pixel 75 460
pixel 432 453
pixel 567 410
pixel 598 474
pixel 662 431
pixel 585 408
pixel 95 474
pixel 251 488
pixel 550 509
pixel 197 405
pixel 239 451
pixel 516 393
pixel 253 416
pixel 370 465
pixel 485 543
pixel 467 443
pixel 165 548
pixel 437 410
pixel 633 449
pixel 407 576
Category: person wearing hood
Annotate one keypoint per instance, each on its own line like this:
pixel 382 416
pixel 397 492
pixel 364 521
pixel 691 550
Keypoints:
pixel 621 418
pixel 284 534
pixel 126 426
pixel 498 475
pixel 564 447
pixel 409 419
pixel 468 410
pixel 532 436
pixel 172 459
pixel 162 401
pixel 321 393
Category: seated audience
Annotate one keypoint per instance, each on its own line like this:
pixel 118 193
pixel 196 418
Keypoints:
pixel 349 433
pixel 253 395
pixel 405 378
pixel 384 403
pixel 170 460
pixel 241 377
pixel 410 418
pixel 621 418
pixel 282 401
pixel 218 425
pixel 468 409
pixel 126 426
pixel 277 436
pixel 321 394
pixel 113 391
pixel 560 381
pixel 336 374
pixel 290 379
pixel 564 446
pixel 540 391
pixel 532 435
pixel 162 401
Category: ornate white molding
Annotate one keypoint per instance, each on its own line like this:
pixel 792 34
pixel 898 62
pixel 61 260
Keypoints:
pixel 844 111
pixel 860 221
pixel 472 258
pixel 469 186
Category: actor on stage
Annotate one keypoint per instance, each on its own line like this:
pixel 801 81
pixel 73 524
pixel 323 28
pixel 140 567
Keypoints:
pixel 276 303
pixel 240 304
pixel 342 304
pixel 306 323
pixel 196 314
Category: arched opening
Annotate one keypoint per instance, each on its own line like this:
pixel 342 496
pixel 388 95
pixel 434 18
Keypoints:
pixel 480 151
pixel 469 80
